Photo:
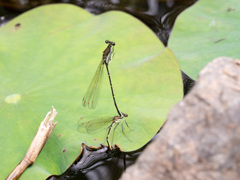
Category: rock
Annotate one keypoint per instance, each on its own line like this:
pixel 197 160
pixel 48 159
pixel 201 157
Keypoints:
pixel 201 137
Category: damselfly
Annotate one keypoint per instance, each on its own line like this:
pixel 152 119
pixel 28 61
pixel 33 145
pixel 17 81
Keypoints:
pixel 95 124
pixel 91 97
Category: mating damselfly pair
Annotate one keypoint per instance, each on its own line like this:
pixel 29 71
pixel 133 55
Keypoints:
pixel 92 94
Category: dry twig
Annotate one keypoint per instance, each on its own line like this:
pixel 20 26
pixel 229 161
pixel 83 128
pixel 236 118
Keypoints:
pixel 44 131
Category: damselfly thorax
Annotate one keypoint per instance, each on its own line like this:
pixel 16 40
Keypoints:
pixel 108 52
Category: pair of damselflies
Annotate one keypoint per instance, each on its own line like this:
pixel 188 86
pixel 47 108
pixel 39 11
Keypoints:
pixel 92 94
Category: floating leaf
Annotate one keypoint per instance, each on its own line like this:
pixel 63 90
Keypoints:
pixel 207 30
pixel 50 59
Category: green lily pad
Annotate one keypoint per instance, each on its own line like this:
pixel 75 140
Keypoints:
pixel 49 55
pixel 206 30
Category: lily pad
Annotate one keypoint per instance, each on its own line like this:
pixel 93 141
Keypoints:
pixel 206 30
pixel 49 55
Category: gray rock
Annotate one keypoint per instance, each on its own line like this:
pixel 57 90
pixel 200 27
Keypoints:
pixel 201 138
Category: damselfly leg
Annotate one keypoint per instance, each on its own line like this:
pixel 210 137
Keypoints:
pixel 115 121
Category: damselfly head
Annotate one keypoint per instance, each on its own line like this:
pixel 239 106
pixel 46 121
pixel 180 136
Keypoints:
pixel 110 42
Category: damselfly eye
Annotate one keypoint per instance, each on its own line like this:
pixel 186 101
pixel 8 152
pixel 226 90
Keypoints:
pixel 113 44
pixel 106 41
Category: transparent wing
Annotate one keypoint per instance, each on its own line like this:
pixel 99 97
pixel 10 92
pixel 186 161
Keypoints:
pixel 97 124
pixel 81 125
pixel 91 96
pixel 93 124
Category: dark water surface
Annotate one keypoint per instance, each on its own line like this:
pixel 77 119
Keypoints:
pixel 159 15
pixel 99 164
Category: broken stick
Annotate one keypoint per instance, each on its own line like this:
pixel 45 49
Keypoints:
pixel 44 131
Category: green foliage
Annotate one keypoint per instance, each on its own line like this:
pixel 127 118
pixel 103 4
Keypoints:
pixel 50 60
pixel 206 31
